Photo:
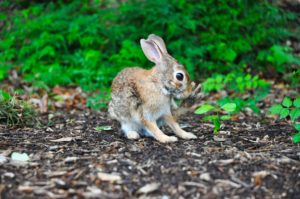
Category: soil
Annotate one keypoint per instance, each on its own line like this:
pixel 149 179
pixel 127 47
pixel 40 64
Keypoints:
pixel 252 157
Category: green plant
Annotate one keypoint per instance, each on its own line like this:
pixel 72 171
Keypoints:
pixel 219 113
pixel 238 84
pixel 289 109
pixel 88 42
pixel 279 57
pixel 14 112
pixel 98 101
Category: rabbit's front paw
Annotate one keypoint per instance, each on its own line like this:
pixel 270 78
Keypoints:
pixel 132 135
pixel 167 139
pixel 188 136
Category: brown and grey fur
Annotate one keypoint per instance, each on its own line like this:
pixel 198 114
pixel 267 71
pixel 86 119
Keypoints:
pixel 142 97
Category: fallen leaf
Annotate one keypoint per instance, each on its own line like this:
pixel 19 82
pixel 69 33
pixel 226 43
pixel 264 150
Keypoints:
pixel 258 177
pixel 148 188
pixel 109 177
pixel 23 157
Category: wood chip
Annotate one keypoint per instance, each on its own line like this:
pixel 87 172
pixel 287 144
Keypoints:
pixel 95 192
pixel 55 173
pixel 65 139
pixel 222 162
pixel 71 159
pixel 3 159
pixel 219 139
pixel 205 176
pixel 148 188
pixel 25 189
pixel 109 177
pixel 258 177
pixel 227 183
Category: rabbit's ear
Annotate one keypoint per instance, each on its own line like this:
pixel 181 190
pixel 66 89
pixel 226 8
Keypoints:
pixel 158 41
pixel 151 51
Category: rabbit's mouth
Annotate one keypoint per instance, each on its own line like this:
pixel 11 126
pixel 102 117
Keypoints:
pixel 175 92
pixel 167 90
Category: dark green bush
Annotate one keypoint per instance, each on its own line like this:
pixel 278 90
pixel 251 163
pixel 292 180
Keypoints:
pixel 88 42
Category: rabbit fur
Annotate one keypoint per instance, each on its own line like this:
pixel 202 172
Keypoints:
pixel 140 99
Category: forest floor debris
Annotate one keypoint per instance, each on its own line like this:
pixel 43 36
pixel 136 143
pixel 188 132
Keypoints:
pixel 251 158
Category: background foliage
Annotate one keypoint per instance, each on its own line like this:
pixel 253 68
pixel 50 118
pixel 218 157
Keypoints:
pixel 87 42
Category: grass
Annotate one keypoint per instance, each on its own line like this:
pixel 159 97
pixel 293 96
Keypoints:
pixel 16 113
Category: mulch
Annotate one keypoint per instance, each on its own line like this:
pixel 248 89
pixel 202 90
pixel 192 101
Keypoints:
pixel 252 157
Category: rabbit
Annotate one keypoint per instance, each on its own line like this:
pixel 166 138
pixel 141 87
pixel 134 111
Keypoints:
pixel 141 98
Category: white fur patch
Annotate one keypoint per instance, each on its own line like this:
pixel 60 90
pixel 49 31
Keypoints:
pixel 165 91
pixel 158 113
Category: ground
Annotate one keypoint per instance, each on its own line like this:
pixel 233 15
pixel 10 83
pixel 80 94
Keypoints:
pixel 252 157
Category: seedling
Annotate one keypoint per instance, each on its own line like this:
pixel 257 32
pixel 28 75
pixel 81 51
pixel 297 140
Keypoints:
pixel 289 108
pixel 219 113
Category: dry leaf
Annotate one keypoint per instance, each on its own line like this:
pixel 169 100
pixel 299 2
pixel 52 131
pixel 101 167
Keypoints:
pixel 259 176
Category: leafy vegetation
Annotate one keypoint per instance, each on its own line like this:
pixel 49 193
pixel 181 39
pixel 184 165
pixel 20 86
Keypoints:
pixel 238 84
pixel 87 42
pixel 217 113
pixel 14 112
pixel 289 109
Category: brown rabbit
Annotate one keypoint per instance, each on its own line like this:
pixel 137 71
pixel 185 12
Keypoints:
pixel 140 98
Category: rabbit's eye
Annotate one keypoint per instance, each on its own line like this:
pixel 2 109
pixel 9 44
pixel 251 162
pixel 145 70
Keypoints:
pixel 179 76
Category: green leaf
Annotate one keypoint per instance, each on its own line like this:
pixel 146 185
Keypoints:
pixel 295 114
pixel 287 102
pixel 296 137
pixel 210 118
pixel 4 95
pixel 229 107
pixel 204 109
pixel 103 128
pixel 217 125
pixel 297 102
pixel 284 113
pixel 297 126
pixel 225 117
pixel 275 109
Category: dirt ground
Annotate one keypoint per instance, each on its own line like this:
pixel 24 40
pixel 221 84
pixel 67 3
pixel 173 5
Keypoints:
pixel 251 158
